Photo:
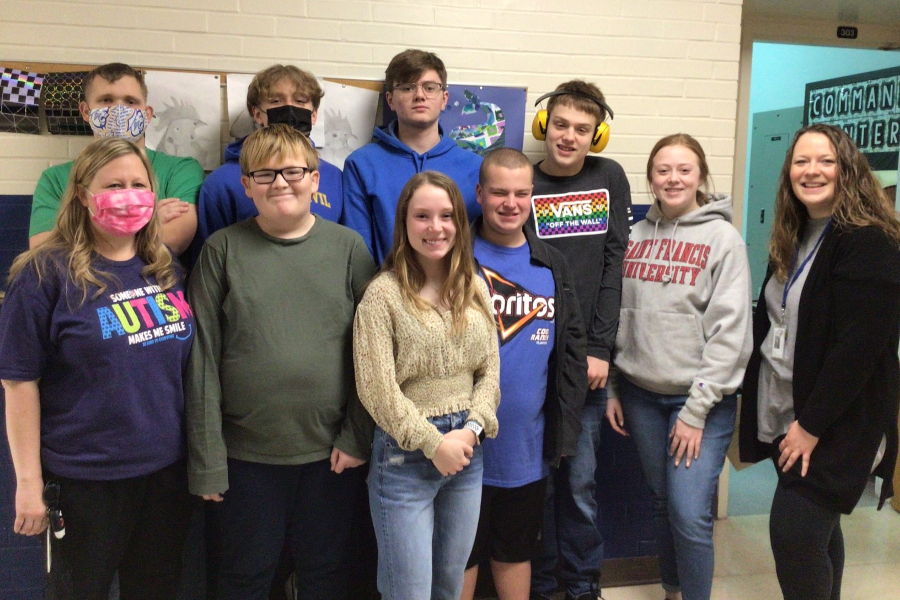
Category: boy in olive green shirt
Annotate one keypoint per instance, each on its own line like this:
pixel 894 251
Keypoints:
pixel 275 428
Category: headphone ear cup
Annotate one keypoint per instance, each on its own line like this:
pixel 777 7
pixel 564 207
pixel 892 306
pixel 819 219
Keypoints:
pixel 601 137
pixel 539 125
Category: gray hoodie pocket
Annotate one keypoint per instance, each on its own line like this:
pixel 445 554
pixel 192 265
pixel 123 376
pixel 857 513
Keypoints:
pixel 659 350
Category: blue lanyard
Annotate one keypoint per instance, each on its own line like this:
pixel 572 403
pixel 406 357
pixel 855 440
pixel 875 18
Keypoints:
pixel 796 275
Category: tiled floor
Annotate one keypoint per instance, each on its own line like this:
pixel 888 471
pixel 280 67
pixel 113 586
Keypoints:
pixel 745 570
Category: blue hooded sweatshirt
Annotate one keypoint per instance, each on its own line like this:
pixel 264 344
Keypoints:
pixel 223 202
pixel 375 174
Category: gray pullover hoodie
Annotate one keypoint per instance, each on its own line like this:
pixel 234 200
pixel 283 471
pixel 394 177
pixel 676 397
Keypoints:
pixel 685 322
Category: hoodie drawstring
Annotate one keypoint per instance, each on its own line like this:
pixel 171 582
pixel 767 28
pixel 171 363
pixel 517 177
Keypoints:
pixel 652 244
pixel 667 277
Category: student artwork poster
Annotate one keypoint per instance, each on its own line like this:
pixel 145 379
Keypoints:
pixel 187 115
pixel 481 118
pixel 344 122
pixel 240 122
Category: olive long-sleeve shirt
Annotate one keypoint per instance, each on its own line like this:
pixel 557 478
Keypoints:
pixel 270 377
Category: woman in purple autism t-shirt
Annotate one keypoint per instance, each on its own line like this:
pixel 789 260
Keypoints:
pixel 94 336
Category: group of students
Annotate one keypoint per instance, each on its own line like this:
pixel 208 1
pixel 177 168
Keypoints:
pixel 304 349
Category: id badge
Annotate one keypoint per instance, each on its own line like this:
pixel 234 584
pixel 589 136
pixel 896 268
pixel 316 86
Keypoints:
pixel 779 340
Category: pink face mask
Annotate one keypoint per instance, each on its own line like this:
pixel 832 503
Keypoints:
pixel 123 212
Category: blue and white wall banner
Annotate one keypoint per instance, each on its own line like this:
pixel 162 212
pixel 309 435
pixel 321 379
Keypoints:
pixel 866 106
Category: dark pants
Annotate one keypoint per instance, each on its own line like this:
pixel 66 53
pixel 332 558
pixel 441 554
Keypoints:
pixel 571 536
pixel 136 526
pixel 308 505
pixel 808 547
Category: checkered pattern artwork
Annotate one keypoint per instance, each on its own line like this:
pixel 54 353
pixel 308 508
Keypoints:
pixel 20 92
pixel 61 96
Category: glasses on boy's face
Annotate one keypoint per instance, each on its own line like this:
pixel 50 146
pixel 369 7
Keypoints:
pixel 288 174
pixel 429 88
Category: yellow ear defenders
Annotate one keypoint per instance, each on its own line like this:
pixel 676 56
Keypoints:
pixel 601 135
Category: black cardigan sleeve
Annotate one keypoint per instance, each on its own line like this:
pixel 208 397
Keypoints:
pixel 863 315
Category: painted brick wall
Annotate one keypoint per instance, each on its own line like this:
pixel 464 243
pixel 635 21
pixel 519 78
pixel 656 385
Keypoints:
pixel 664 65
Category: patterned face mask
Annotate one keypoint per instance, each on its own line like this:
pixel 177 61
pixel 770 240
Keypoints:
pixel 123 212
pixel 119 121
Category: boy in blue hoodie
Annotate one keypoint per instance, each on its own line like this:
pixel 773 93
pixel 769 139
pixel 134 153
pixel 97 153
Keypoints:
pixel 278 94
pixel 416 89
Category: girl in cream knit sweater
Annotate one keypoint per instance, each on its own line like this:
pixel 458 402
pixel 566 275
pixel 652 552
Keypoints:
pixel 427 369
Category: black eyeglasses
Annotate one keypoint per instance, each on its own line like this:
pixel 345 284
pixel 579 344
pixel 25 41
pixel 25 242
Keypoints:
pixel 288 174
pixel 429 88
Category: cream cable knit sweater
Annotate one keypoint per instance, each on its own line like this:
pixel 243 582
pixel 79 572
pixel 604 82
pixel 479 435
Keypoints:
pixel 410 367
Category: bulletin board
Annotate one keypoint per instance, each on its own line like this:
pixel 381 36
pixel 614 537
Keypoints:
pixel 188 120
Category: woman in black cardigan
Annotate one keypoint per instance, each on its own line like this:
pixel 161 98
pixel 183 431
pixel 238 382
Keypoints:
pixel 822 387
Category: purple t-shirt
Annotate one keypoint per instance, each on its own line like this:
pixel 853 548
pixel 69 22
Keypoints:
pixel 110 368
pixel 522 296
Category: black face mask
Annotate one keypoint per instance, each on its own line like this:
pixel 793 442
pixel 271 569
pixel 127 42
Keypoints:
pixel 298 118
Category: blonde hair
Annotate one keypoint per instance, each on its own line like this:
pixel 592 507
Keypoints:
pixel 72 241
pixel 859 200
pixel 277 141
pixel 459 291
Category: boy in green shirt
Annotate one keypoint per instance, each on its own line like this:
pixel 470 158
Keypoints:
pixel 115 104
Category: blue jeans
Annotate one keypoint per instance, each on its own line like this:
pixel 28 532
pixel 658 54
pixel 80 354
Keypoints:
pixel 425 523
pixel 571 537
pixel 682 497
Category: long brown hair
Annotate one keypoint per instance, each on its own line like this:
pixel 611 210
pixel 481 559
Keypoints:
pixel 859 200
pixel 459 291
pixel 72 240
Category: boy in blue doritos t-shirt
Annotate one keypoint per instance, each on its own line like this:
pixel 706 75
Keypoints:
pixel 543 374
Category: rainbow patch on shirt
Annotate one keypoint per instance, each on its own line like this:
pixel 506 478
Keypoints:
pixel 578 213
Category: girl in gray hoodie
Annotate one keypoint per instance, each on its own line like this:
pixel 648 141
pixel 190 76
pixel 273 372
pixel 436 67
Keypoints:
pixel 684 340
